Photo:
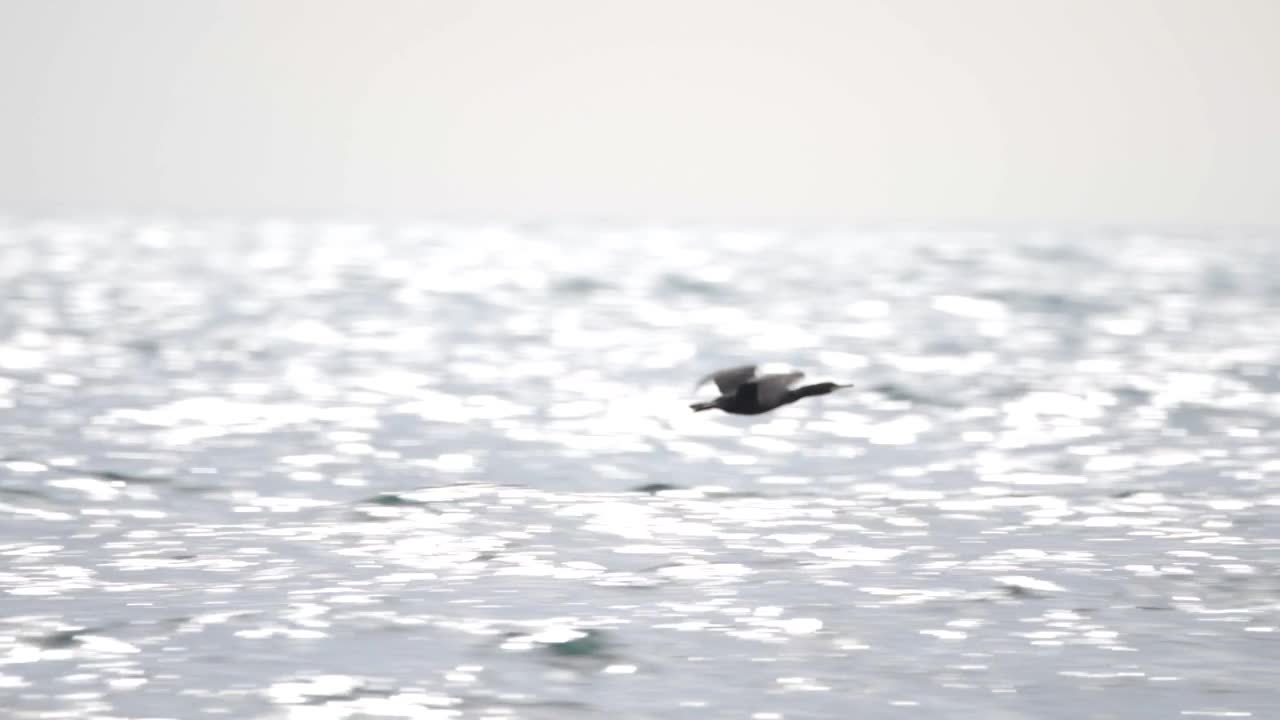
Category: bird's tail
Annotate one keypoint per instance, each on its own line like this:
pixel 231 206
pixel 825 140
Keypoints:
pixel 700 406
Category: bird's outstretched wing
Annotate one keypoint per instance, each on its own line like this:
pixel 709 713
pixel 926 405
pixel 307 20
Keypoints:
pixel 771 388
pixel 730 379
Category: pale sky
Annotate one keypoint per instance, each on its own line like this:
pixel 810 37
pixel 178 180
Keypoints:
pixel 1080 111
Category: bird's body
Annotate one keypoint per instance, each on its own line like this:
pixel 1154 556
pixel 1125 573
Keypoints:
pixel 745 392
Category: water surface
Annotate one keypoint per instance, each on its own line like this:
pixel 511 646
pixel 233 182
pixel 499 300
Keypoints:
pixel 323 471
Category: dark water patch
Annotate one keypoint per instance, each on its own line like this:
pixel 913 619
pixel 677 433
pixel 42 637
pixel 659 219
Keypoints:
pixel 898 392
pixel 147 347
pixel 1131 396
pixel 655 488
pixel 1058 253
pixel 564 642
pixel 1261 377
pixel 127 478
pixel 144 629
pixel 681 284
pixel 1020 592
pixel 591 643
pixel 115 476
pixel 1129 493
pixel 1067 308
pixel 22 492
pixel 62 638
pixel 395 500
pixel 319 691
pixel 706 493
pixel 580 286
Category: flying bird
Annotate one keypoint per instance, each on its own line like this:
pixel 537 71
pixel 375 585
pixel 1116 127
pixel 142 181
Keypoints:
pixel 745 392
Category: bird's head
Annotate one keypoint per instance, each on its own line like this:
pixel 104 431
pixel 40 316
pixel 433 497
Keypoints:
pixel 821 388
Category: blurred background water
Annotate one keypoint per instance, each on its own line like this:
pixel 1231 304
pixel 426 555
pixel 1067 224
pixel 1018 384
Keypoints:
pixel 289 470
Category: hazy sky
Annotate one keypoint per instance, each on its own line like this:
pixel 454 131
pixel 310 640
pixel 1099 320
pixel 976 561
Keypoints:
pixel 1164 111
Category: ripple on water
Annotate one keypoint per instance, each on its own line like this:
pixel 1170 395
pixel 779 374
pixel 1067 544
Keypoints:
pixel 349 471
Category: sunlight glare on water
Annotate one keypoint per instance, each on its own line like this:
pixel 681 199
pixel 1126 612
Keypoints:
pixel 345 471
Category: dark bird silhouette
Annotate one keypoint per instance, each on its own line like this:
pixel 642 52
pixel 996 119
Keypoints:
pixel 743 392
